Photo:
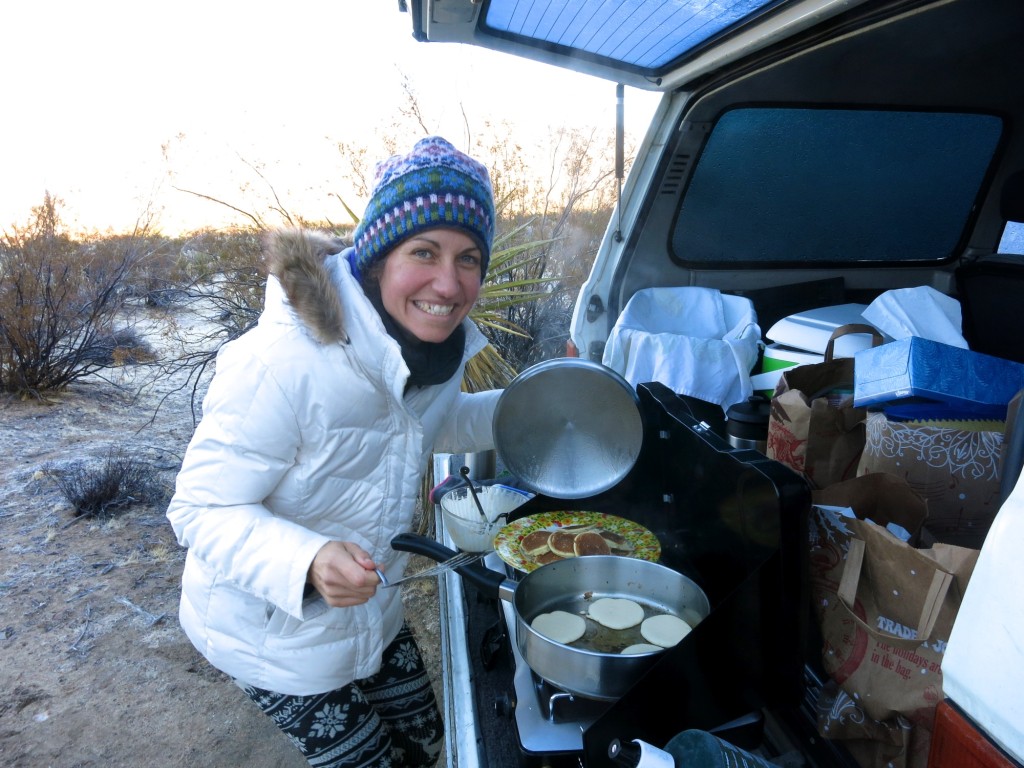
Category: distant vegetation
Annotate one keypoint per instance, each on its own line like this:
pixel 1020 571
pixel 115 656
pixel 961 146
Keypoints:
pixel 64 299
pixel 59 303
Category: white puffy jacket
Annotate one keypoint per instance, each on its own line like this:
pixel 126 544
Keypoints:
pixel 307 436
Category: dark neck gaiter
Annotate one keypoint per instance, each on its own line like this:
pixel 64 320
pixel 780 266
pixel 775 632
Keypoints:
pixel 429 363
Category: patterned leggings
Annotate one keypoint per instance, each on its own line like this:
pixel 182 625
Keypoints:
pixel 388 720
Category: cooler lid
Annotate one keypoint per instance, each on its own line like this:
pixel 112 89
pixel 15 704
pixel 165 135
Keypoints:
pixel 810 330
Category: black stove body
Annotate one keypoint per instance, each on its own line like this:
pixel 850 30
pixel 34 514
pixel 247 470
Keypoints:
pixel 730 519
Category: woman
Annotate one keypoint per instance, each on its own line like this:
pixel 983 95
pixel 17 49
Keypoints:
pixel 315 433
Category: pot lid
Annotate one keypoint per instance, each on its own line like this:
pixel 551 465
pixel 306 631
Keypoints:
pixel 755 410
pixel 568 428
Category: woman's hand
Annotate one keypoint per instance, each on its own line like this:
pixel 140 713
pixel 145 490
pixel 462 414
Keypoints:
pixel 343 573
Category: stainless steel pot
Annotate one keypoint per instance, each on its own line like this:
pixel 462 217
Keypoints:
pixel 568 428
pixel 571 585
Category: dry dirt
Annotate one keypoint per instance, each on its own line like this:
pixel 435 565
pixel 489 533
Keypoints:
pixel 95 669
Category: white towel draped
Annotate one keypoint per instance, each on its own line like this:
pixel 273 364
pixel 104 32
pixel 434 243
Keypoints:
pixel 696 341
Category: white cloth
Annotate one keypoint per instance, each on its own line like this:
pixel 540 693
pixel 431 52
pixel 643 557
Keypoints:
pixel 301 443
pixel 696 341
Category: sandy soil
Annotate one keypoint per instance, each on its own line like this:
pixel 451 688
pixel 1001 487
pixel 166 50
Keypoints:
pixel 95 669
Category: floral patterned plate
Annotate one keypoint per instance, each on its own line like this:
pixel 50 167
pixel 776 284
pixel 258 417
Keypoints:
pixel 506 543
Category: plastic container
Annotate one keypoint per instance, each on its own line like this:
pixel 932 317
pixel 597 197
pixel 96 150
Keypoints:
pixel 775 360
pixel 467 529
pixel 778 357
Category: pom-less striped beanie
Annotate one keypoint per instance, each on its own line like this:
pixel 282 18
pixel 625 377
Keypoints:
pixel 435 185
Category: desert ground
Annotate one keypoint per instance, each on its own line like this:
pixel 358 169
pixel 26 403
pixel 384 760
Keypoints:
pixel 95 669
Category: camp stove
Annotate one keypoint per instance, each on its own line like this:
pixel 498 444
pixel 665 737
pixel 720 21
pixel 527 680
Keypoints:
pixel 728 518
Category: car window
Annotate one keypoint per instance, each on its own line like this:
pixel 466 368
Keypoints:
pixel 792 185
pixel 1013 238
pixel 645 34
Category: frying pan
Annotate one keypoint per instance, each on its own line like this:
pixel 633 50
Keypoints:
pixel 583 669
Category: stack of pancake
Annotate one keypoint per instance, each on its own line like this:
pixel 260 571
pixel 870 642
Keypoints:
pixel 546 546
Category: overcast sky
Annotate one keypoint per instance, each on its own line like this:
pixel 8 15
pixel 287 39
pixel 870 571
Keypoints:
pixel 95 92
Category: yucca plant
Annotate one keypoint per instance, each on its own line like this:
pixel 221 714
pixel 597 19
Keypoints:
pixel 501 290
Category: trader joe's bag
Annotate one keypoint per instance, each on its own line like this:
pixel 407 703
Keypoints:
pixel 814 428
pixel 871 743
pixel 885 635
pixel 885 500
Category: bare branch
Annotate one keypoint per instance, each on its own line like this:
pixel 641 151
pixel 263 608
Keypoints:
pixel 412 105
pixel 255 219
pixel 279 206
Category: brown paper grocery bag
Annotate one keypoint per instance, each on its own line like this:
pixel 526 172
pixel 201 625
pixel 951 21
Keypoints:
pixel 885 636
pixel 814 428
pixel 954 466
pixel 881 498
pixel 871 743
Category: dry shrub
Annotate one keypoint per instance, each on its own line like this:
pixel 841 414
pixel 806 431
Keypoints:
pixel 152 279
pixel 118 482
pixel 120 347
pixel 58 300
pixel 220 276
pixel 227 271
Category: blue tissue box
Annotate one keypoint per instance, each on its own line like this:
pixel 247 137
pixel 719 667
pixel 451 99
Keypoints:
pixel 920 378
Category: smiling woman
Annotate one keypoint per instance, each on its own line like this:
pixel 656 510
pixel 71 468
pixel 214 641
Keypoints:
pixel 432 210
pixel 308 461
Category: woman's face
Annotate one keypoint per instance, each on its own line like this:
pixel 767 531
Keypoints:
pixel 430 282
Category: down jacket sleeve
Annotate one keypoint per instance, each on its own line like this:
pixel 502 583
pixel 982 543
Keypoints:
pixel 468 427
pixel 247 440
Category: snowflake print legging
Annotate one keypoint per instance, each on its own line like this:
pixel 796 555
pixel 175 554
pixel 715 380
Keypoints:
pixel 385 721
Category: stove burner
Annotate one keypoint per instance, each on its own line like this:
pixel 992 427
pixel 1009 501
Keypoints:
pixel 560 705
pixel 548 720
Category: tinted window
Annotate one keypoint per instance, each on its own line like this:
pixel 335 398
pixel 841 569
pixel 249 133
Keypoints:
pixel 647 34
pixel 810 185
pixel 1013 238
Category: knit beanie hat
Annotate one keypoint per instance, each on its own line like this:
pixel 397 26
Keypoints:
pixel 435 185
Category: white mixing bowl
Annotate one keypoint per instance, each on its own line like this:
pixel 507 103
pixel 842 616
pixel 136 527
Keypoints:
pixel 468 530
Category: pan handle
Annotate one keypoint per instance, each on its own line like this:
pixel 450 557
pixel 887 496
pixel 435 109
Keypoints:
pixel 491 583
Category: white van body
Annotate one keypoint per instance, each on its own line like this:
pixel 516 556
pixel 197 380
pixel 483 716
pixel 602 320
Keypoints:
pixel 983 671
pixel 795 67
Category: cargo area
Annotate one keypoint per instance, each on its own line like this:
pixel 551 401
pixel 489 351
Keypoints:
pixel 824 217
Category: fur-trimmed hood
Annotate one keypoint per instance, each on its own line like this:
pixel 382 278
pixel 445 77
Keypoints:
pixel 296 258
